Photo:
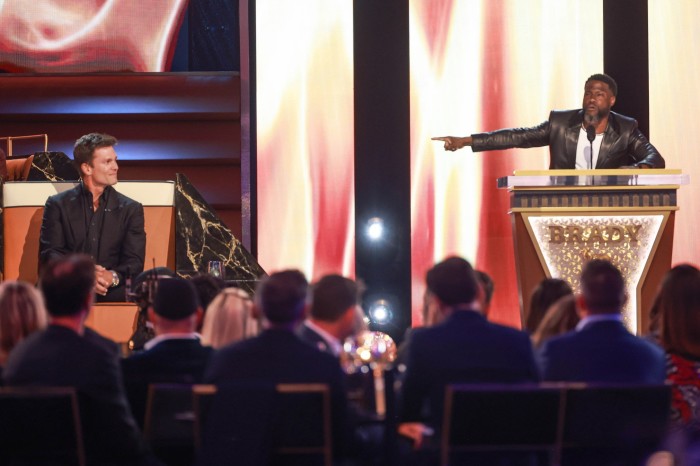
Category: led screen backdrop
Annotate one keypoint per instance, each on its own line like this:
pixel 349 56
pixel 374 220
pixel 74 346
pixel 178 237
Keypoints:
pixel 305 148
pixel 60 36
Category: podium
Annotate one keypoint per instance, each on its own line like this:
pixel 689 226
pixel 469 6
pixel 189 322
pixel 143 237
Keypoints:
pixel 563 218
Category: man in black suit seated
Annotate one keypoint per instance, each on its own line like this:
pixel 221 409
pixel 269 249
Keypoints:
pixel 601 349
pixel 65 355
pixel 95 219
pixel 176 354
pixel 332 314
pixel 462 348
pixel 277 355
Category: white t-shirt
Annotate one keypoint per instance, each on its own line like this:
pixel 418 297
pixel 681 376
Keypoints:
pixel 583 150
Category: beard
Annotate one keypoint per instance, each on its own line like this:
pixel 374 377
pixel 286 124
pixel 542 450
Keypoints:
pixel 594 119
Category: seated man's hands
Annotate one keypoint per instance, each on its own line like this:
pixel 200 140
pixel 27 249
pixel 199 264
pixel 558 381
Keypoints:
pixel 452 143
pixel 103 280
pixel 415 431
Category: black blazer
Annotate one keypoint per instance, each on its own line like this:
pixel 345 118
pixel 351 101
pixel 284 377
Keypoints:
pixel 623 144
pixel 308 335
pixel 604 352
pixel 123 240
pixel 170 361
pixel 465 348
pixel 58 356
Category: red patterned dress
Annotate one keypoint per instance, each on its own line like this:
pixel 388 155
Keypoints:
pixel 684 375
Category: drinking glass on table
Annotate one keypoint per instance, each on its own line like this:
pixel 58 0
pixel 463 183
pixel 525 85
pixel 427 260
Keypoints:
pixel 216 269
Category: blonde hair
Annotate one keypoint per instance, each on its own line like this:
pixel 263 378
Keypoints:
pixel 229 318
pixel 22 312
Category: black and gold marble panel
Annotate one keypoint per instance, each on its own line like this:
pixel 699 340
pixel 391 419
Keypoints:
pixel 52 166
pixel 593 199
pixel 202 237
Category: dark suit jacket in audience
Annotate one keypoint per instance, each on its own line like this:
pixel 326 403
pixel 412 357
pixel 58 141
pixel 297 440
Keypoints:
pixel 308 335
pixel 174 360
pixel 279 356
pixel 603 352
pixel 58 356
pixel 465 348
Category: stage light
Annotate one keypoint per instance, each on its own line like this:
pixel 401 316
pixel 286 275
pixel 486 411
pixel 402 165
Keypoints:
pixel 375 228
pixel 380 311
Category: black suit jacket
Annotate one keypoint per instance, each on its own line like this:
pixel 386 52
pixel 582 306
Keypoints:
pixel 623 144
pixel 279 356
pixel 465 348
pixel 602 352
pixel 58 356
pixel 123 238
pixel 170 361
pixel 309 335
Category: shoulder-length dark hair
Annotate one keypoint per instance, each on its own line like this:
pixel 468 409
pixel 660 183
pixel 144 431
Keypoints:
pixel 678 307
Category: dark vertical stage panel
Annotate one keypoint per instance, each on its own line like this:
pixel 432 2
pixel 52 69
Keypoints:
pixel 214 35
pixel 382 152
pixel 626 56
pixel 249 174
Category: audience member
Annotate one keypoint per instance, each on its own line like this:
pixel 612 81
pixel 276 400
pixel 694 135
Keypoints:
pixel 208 287
pixel 602 349
pixel 22 312
pixel 561 317
pixel 175 355
pixel 487 287
pixel 463 348
pixel 678 304
pixel 61 355
pixel 332 314
pixel 544 295
pixel 229 318
pixel 277 355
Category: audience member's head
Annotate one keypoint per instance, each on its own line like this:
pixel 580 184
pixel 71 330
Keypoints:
pixel 679 311
pixel 281 298
pixel 175 307
pixel 561 317
pixel 67 284
pixel 453 284
pixel 22 312
pixel 229 318
pixel 544 295
pixel 602 288
pixel 333 302
pixel 208 287
pixel 486 285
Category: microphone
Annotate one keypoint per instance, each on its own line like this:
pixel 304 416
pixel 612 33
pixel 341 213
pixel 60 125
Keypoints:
pixel 590 134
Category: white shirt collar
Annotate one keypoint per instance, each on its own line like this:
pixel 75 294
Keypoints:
pixel 333 343
pixel 170 336
pixel 597 318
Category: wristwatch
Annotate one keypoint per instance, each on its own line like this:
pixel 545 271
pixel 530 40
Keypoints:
pixel 115 279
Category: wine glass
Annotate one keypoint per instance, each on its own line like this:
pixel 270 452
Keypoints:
pixel 216 269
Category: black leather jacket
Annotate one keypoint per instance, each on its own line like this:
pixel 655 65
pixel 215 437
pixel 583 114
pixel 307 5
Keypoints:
pixel 623 144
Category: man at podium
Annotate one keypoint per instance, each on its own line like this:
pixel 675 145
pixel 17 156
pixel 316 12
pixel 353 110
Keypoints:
pixel 586 138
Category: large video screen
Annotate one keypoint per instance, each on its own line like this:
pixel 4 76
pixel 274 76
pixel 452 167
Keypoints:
pixel 90 35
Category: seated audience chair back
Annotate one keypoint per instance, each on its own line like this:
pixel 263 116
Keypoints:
pixel 263 424
pixel 484 421
pixel 40 426
pixel 169 422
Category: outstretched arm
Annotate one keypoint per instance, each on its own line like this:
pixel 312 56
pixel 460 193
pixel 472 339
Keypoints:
pixel 453 143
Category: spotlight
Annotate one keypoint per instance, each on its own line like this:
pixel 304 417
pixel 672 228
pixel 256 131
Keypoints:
pixel 380 311
pixel 375 228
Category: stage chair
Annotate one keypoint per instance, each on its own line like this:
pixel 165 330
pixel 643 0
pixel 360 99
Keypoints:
pixel 613 424
pixel 484 422
pixel 40 426
pixel 169 422
pixel 251 423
